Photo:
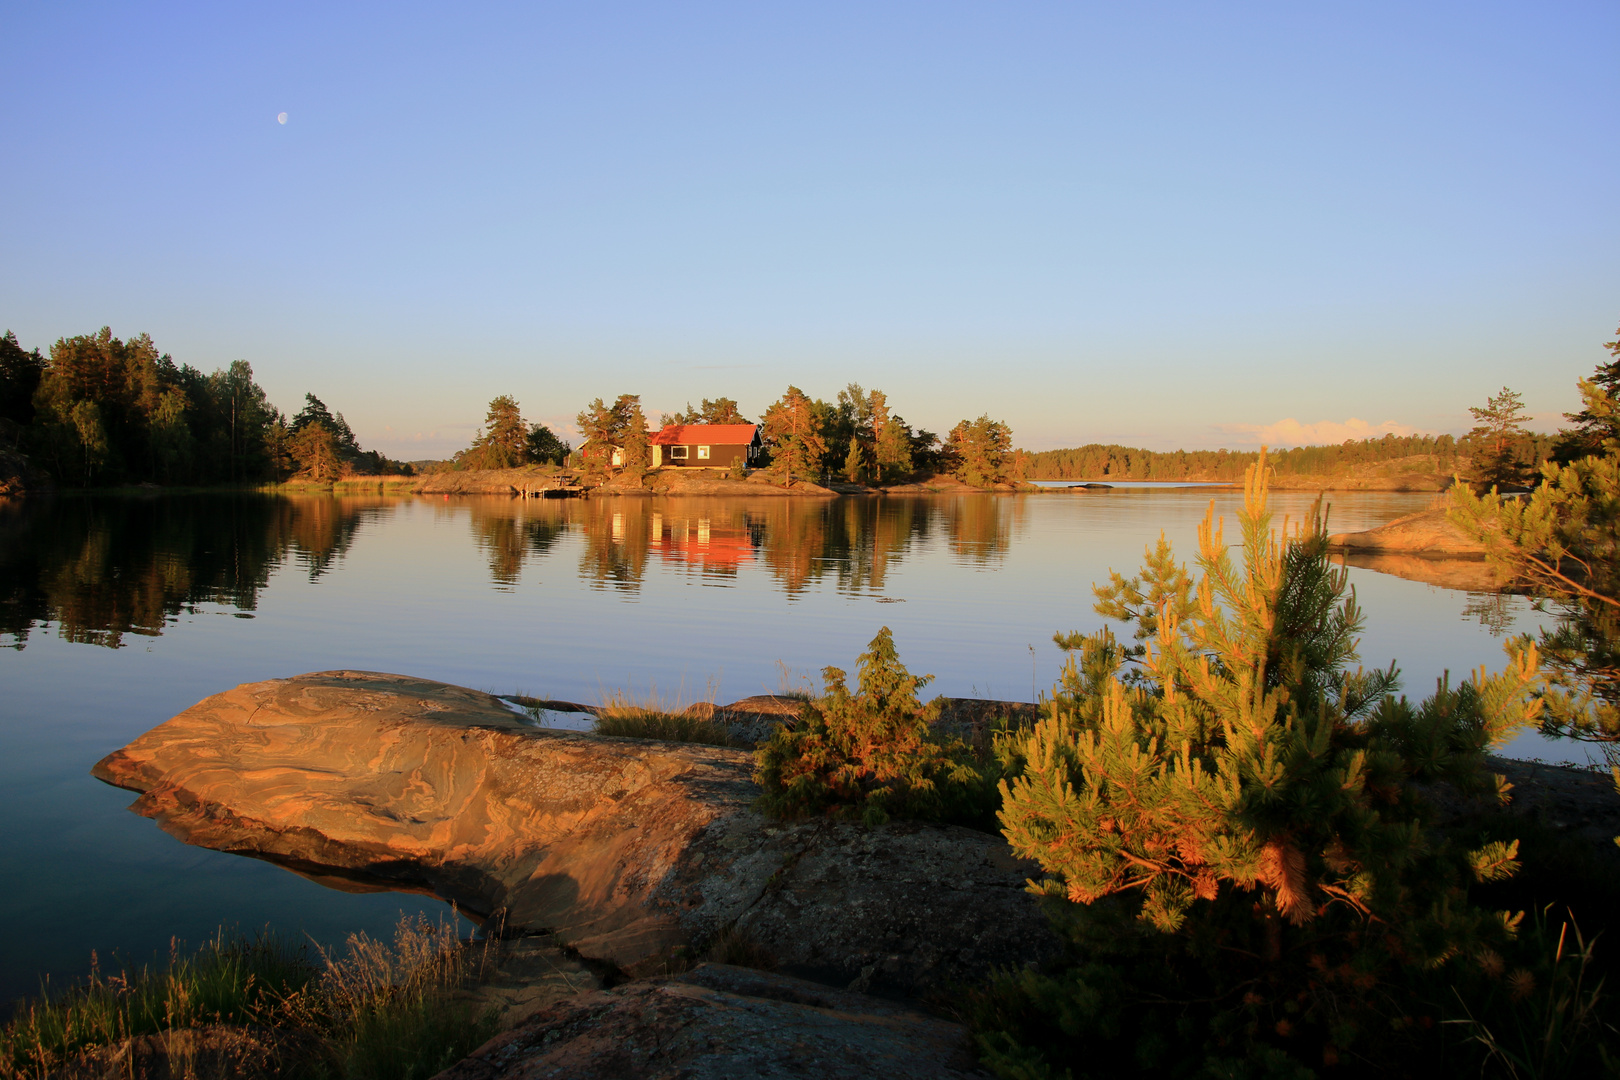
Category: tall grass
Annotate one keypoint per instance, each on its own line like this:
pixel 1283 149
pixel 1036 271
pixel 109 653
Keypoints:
pixel 377 1011
pixel 651 716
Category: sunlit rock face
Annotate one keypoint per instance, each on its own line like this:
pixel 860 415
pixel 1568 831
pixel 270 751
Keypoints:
pixel 626 849
pixel 1429 532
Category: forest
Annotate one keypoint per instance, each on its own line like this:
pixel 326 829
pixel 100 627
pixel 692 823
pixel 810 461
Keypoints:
pixel 100 412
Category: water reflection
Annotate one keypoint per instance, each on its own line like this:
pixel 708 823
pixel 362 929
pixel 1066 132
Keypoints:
pixel 103 569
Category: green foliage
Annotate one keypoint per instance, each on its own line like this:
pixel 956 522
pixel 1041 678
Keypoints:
pixel 872 754
pixel 792 434
pixel 1498 428
pixel 1233 828
pixel 719 411
pixel 1596 427
pixel 229 981
pixel 1563 542
pixel 891 437
pixel 607 429
pixel 1097 461
pixel 20 374
pixel 981 450
pixel 378 1011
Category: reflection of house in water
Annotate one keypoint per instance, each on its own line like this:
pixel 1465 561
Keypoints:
pixel 713 546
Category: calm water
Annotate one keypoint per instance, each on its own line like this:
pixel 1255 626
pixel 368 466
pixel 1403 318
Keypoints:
pixel 121 612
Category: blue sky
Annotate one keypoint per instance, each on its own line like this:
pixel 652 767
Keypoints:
pixel 1158 224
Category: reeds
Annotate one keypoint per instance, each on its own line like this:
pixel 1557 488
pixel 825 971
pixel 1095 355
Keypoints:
pixel 652 716
pixel 378 1011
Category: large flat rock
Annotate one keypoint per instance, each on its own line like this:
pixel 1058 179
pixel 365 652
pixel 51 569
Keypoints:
pixel 627 850
pixel 724 1023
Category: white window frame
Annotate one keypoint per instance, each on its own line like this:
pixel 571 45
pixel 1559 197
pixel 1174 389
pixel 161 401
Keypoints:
pixel 703 453
pixel 677 453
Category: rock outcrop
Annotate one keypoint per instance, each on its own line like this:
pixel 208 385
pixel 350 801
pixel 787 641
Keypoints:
pixel 724 1023
pixel 627 850
pixel 1428 532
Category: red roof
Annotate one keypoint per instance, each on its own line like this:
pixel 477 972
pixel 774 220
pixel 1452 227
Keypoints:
pixel 703 435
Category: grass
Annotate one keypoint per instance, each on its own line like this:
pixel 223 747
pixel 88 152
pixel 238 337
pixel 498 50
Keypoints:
pixel 665 727
pixel 652 716
pixel 379 1011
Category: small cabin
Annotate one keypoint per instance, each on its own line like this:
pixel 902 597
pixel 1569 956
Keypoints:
pixel 704 446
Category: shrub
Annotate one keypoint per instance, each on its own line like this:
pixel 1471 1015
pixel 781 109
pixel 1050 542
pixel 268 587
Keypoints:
pixel 873 754
pixel 1235 836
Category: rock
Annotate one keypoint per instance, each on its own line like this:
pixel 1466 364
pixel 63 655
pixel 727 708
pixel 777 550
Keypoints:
pixel 724 1023
pixel 1464 574
pixel 211 1052
pixel 626 849
pixel 1428 532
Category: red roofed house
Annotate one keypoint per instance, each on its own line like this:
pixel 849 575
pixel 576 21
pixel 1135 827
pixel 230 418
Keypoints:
pixel 704 446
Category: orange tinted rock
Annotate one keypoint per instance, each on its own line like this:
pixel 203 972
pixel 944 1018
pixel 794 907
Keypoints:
pixel 625 848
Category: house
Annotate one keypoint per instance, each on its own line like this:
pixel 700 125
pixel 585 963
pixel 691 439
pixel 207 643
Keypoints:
pixel 704 446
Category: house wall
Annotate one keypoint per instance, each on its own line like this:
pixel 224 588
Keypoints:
pixel 720 457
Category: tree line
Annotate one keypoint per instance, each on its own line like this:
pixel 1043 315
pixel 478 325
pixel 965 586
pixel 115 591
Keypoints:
pixel 99 411
pixel 1515 453
pixel 857 438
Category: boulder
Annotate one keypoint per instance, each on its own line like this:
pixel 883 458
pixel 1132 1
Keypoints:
pixel 1428 532
pixel 627 850
pixel 724 1023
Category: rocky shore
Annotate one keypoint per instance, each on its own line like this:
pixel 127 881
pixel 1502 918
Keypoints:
pixel 603 866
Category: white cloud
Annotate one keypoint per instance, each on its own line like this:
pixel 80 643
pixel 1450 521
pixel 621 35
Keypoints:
pixel 1291 432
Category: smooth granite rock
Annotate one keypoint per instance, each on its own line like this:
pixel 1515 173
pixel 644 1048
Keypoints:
pixel 626 850
pixel 1428 532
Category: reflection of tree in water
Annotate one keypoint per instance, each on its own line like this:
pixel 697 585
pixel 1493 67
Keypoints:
pixel 322 529
pixel 870 534
pixel 102 568
pixel 1496 611
pixel 615 542
pixel 981 527
pixel 509 531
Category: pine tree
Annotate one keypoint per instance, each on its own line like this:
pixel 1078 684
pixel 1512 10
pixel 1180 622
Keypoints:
pixel 503 441
pixel 1596 427
pixel 1233 826
pixel 1498 426
pixel 792 434
pixel 1563 543
pixel 979 450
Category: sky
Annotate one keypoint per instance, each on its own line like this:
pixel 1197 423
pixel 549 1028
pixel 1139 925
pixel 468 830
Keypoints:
pixel 1158 224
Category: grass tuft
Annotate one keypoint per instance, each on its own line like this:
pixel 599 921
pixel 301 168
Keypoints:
pixel 663 726
pixel 378 1011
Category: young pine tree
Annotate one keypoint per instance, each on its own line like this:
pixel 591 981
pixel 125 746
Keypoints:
pixel 1235 833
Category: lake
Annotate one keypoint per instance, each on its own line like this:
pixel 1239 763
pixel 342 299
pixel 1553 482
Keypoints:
pixel 120 611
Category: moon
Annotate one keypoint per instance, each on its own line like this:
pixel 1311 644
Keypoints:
pixel 281 118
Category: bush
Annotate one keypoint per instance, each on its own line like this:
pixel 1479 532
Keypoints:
pixel 873 754
pixel 1235 836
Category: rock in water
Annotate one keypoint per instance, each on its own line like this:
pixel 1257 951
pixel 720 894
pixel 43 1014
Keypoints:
pixel 724 1023
pixel 626 849
pixel 1428 532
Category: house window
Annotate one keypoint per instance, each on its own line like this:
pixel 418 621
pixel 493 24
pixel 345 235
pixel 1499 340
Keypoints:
pixel 703 451
pixel 677 452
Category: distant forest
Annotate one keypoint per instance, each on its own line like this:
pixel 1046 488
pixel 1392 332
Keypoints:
pixel 98 411
pixel 1097 462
